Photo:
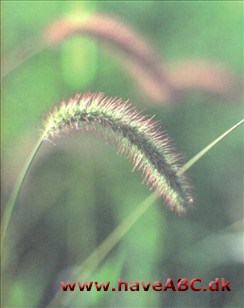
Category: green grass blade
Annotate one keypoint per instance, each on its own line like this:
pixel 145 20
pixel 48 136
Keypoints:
pixel 195 158
pixel 99 254
pixel 12 200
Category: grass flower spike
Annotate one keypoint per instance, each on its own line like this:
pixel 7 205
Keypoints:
pixel 136 136
pixel 160 83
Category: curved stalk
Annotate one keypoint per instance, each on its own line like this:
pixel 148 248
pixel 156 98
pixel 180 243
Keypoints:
pixel 51 129
pixel 99 254
pixel 13 197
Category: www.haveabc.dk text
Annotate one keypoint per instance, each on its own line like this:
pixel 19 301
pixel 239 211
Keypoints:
pixel 182 284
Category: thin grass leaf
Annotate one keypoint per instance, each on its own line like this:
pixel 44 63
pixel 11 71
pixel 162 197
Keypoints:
pixel 90 264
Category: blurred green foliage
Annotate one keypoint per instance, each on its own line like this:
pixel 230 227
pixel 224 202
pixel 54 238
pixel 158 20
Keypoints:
pixel 78 191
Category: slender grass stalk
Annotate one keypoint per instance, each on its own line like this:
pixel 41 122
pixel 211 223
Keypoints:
pixel 145 150
pixel 21 54
pixel 99 254
pixel 12 199
pixel 208 147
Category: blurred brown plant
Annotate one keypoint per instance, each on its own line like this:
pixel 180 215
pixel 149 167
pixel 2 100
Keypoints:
pixel 159 83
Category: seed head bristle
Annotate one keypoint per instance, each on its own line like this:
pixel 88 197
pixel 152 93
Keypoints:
pixel 136 136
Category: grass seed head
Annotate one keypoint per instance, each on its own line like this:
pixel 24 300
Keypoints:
pixel 137 137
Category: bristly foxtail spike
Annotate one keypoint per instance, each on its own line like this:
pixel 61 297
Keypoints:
pixel 136 136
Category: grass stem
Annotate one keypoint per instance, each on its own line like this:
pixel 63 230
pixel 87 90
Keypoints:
pixel 207 148
pixel 12 200
pixel 99 254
